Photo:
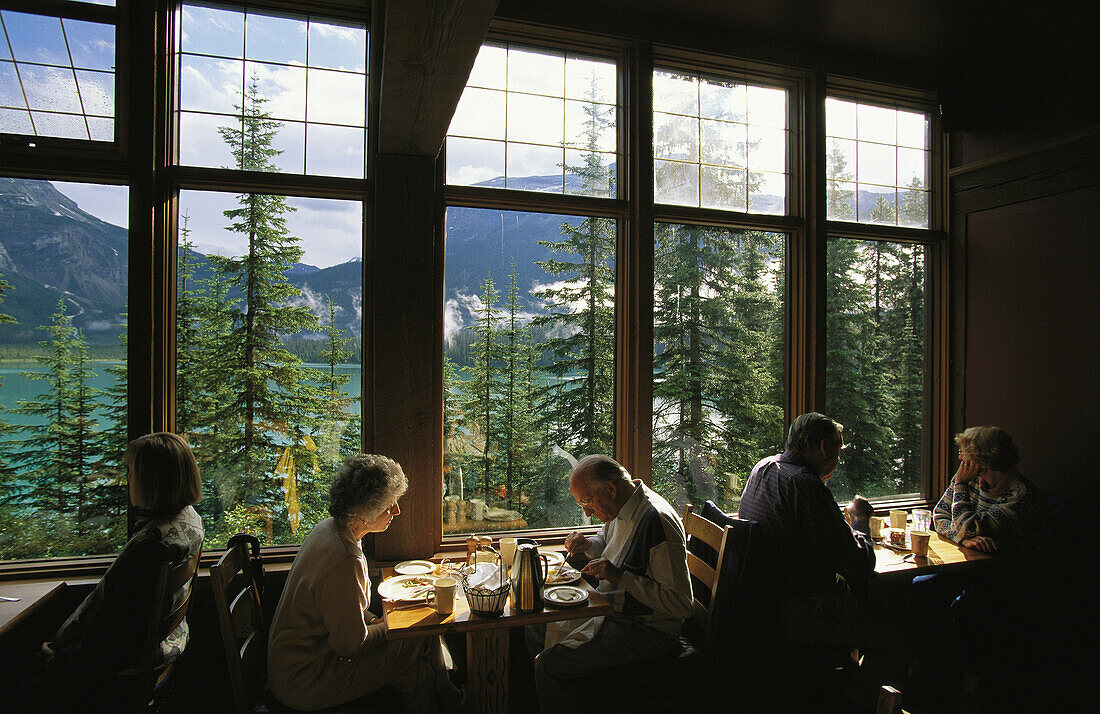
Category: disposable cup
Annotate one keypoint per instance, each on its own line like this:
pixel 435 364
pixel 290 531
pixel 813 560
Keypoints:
pixel 918 543
pixel 897 519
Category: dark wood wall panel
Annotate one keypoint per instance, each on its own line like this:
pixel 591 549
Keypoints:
pixel 1031 338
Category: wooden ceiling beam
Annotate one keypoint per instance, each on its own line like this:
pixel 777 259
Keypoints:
pixel 429 48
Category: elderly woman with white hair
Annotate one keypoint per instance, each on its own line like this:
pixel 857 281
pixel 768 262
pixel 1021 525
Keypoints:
pixel 325 647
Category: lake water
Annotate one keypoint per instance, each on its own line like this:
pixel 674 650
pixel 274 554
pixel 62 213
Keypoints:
pixel 15 386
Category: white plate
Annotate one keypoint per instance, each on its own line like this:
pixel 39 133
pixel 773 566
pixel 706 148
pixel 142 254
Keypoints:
pixel 565 596
pixel 553 557
pixel 568 575
pixel 406 587
pixel 415 567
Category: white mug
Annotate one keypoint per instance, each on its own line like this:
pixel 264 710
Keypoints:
pixel 442 595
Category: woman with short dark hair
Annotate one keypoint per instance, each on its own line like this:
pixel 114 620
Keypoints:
pixel 325 647
pixel 105 634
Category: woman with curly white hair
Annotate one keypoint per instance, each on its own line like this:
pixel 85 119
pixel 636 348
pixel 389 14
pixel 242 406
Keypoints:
pixel 325 647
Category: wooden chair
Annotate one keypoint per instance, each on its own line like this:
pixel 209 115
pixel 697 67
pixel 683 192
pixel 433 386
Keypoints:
pixel 889 701
pixel 686 676
pixel 164 617
pixel 237 582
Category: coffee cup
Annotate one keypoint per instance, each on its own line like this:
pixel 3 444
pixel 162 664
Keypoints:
pixel 898 518
pixel 442 595
pixel 918 543
pixel 875 524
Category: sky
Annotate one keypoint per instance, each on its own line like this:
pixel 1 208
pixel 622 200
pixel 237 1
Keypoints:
pixel 523 114
pixel 306 69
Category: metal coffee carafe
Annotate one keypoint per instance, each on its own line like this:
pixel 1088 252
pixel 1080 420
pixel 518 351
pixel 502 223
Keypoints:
pixel 529 571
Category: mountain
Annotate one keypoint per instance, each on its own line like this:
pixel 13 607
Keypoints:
pixel 50 248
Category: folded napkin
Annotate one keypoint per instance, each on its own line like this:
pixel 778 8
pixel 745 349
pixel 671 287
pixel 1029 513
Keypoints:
pixel 485 575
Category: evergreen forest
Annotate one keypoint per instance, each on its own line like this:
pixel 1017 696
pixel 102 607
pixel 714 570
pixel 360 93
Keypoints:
pixel 528 380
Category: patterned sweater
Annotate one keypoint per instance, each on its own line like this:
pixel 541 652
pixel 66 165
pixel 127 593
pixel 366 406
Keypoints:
pixel 1015 520
pixel 106 621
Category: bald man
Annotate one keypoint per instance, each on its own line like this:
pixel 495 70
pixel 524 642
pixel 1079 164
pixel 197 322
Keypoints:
pixel 639 559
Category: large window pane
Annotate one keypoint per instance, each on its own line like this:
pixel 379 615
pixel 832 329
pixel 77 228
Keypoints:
pixel 56 77
pixel 301 77
pixel 875 343
pixel 536 120
pixel 268 352
pixel 718 331
pixel 877 164
pixel 529 363
pixel 63 270
pixel 719 143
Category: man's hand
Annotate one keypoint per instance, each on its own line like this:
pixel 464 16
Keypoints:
pixel 968 471
pixel 603 569
pixel 576 543
pixel 985 544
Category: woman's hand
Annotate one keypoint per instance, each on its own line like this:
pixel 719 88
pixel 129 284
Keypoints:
pixel 968 471
pixel 984 544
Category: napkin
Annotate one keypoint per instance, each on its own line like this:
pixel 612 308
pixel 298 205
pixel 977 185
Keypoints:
pixel 485 575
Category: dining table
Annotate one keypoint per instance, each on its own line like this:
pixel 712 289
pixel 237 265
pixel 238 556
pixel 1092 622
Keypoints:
pixel 487 638
pixel 943 555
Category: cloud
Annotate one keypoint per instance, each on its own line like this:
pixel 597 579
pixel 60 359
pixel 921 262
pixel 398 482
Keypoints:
pixel 452 321
pixel 466 175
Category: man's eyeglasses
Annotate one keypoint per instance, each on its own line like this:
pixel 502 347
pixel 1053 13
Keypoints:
pixel 587 501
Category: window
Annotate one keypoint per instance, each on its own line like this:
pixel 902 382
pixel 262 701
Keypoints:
pixel 57 76
pixel 63 377
pixel 875 364
pixel 719 354
pixel 305 73
pixel 719 142
pixel 269 296
pixel 878 173
pixel 530 296
pixel 878 164
pixel 528 365
pixel 536 120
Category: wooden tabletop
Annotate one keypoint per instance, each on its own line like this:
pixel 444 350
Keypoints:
pixel 31 594
pixel 403 621
pixel 942 554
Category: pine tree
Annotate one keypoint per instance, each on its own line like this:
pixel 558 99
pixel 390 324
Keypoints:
pixel 111 484
pixel 580 314
pixel 6 429
pixel 340 425
pixel 58 455
pixel 270 388
pixel 189 405
pixel 519 443
pixel 855 384
pixel 483 387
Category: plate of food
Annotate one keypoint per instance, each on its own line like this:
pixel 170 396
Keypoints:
pixel 565 596
pixel 567 574
pixel 415 567
pixel 406 587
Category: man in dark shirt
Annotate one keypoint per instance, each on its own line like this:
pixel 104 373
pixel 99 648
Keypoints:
pixel 817 557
